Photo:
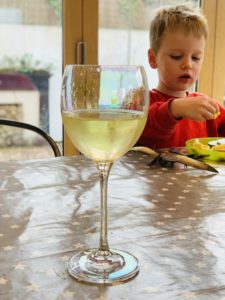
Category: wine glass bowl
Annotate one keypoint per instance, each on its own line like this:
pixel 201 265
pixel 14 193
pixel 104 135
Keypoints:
pixel 104 111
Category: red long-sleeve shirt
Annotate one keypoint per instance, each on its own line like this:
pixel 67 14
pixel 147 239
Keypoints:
pixel 162 130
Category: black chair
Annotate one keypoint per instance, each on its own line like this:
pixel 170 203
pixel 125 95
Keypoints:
pixel 38 130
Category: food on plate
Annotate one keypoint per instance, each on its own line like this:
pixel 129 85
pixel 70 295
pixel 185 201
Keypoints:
pixel 219 148
pixel 212 148
pixel 198 145
pixel 217 142
pixel 213 143
pixel 217 145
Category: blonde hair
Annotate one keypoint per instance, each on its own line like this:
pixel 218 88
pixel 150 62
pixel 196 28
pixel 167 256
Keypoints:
pixel 171 18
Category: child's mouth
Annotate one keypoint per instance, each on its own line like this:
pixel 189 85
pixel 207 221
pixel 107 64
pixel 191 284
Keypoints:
pixel 185 76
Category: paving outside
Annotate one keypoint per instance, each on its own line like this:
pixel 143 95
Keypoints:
pixel 25 153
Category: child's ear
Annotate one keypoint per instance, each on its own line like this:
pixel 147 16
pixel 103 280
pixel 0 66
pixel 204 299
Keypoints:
pixel 152 59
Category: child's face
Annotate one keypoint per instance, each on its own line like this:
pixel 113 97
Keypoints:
pixel 178 61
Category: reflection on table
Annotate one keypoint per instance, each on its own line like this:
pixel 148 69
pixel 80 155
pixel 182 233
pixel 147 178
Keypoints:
pixel 172 220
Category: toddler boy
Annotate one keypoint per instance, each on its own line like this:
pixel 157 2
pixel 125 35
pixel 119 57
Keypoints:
pixel 177 40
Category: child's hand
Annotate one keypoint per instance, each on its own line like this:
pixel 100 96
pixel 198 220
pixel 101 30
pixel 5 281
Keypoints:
pixel 200 108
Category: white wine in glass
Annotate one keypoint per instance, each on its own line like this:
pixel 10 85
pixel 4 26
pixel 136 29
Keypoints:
pixel 104 111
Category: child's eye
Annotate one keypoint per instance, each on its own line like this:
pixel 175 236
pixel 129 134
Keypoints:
pixel 196 58
pixel 176 57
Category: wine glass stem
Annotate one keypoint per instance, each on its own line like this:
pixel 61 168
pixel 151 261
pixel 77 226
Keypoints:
pixel 104 169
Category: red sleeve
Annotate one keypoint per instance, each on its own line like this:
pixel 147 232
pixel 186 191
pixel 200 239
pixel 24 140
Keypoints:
pixel 160 124
pixel 221 122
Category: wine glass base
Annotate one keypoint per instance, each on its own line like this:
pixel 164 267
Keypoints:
pixel 80 267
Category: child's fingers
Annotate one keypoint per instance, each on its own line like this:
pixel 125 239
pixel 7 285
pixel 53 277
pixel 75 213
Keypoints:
pixel 214 108
pixel 216 114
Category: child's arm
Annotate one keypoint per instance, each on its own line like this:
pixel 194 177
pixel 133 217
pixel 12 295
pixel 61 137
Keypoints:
pixel 200 108
pixel 162 127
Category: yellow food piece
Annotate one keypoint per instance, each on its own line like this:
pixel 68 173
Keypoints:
pixel 216 114
pixel 198 145
pixel 219 148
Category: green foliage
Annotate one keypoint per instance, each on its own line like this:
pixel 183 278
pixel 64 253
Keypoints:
pixel 150 2
pixel 129 9
pixel 57 7
pixel 172 2
pixel 24 64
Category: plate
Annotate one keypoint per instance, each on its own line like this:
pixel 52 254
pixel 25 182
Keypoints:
pixel 209 154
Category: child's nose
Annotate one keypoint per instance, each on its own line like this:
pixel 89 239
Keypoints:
pixel 186 63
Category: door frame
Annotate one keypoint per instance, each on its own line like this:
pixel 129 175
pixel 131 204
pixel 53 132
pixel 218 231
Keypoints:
pixel 212 78
pixel 80 25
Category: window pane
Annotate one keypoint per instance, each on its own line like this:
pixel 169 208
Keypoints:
pixel 124 32
pixel 31 63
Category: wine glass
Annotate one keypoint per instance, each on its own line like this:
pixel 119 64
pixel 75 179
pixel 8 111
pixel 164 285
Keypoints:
pixel 104 111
